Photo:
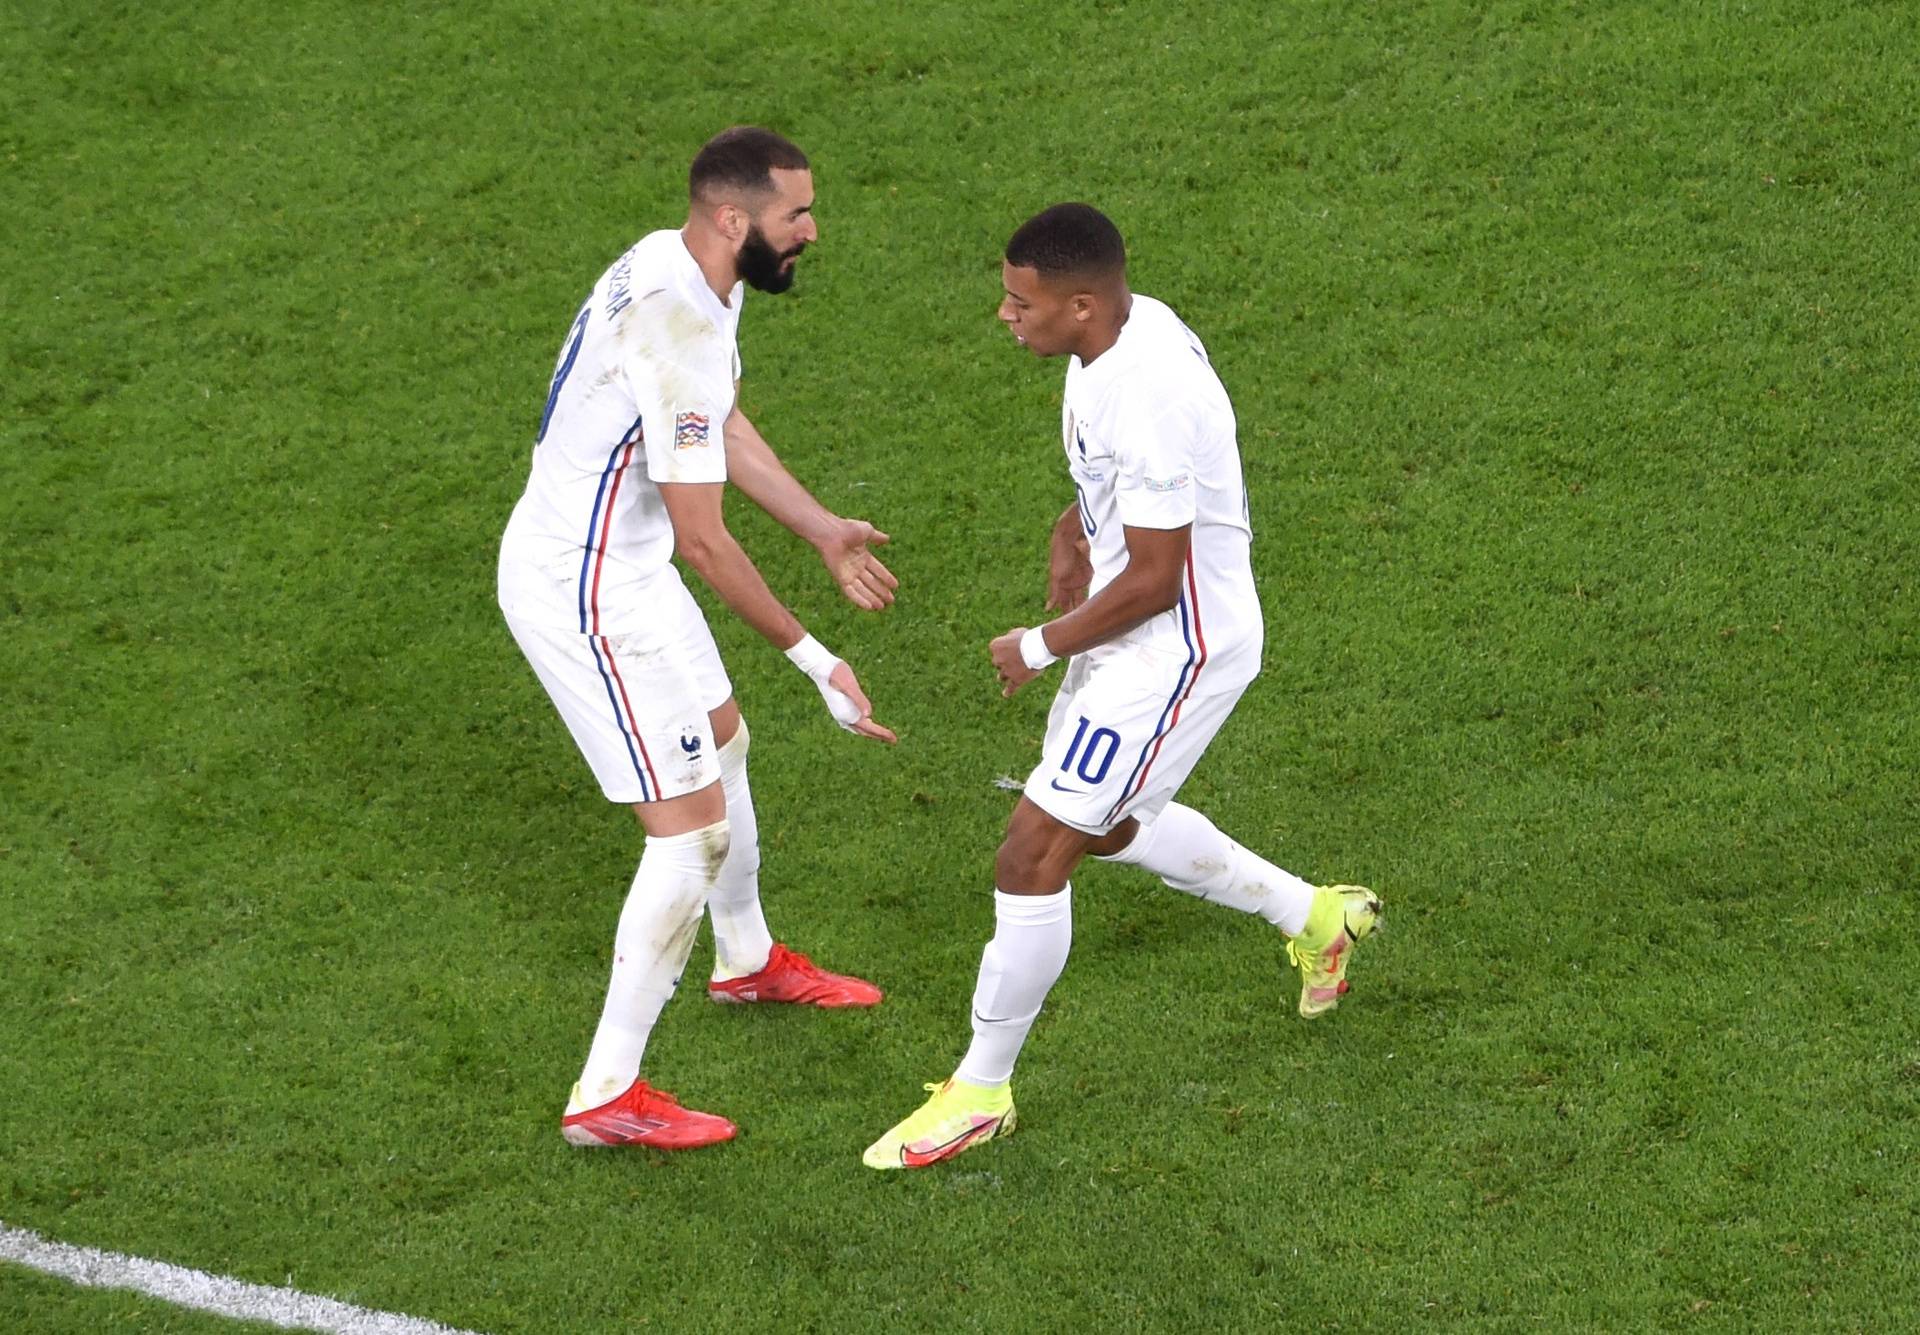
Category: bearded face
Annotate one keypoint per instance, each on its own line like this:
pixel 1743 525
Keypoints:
pixel 763 268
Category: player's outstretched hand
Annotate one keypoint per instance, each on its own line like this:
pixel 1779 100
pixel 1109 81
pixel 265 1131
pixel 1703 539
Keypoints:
pixel 1009 662
pixel 1069 570
pixel 868 584
pixel 842 680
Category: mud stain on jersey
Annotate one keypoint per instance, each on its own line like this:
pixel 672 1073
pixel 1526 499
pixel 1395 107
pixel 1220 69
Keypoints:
pixel 642 654
pixel 666 338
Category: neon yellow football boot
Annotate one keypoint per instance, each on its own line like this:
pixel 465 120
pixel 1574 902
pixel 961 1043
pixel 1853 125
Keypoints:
pixel 957 1117
pixel 1341 918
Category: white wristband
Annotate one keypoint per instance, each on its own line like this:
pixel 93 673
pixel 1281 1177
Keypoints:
pixel 1034 651
pixel 812 658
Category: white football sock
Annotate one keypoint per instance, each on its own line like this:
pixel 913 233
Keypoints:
pixel 657 926
pixel 1029 949
pixel 741 941
pixel 1188 852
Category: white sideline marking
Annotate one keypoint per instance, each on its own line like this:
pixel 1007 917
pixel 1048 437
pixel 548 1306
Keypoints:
pixel 207 1293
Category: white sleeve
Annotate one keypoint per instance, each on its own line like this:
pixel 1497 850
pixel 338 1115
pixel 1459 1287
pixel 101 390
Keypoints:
pixel 1154 445
pixel 684 394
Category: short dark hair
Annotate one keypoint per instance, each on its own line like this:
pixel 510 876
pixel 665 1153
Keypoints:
pixel 1069 240
pixel 743 159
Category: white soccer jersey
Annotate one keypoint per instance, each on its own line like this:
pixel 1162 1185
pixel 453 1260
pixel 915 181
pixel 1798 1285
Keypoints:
pixel 1150 440
pixel 644 383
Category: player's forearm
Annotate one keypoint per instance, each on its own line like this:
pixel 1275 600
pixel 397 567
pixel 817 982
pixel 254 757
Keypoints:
pixel 1067 527
pixel 1123 604
pixel 757 472
pixel 730 573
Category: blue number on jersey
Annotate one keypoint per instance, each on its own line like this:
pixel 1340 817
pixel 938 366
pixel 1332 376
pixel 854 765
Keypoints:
pixel 1102 737
pixel 574 338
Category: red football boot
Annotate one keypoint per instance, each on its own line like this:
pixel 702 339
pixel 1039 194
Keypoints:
pixel 645 1116
pixel 792 977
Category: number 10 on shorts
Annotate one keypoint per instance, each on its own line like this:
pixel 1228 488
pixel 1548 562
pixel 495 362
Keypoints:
pixel 1097 757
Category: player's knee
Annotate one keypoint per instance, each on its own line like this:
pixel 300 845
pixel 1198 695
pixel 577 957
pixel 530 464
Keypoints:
pixel 1035 859
pixel 1012 866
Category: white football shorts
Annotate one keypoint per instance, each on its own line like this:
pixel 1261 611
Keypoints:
pixel 1123 735
pixel 637 703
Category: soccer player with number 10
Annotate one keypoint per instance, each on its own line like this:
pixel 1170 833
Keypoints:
pixel 1162 633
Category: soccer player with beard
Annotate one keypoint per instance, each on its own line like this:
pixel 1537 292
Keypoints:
pixel 640 434
pixel 1162 632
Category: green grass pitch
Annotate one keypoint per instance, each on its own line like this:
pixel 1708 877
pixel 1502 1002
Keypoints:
pixel 1573 348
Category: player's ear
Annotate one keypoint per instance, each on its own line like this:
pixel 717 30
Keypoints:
pixel 731 219
pixel 1083 306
